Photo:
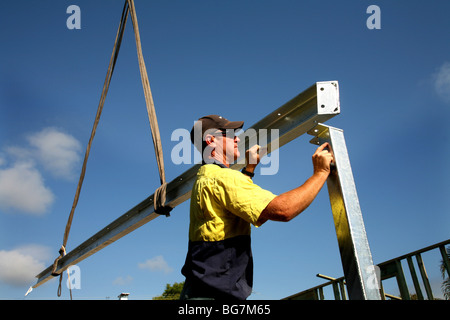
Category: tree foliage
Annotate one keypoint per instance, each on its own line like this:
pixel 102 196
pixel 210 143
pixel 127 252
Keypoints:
pixel 172 292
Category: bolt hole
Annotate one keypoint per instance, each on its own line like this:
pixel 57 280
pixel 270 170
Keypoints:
pixel 322 106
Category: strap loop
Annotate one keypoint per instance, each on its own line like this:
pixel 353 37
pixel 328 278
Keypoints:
pixel 62 253
pixel 159 201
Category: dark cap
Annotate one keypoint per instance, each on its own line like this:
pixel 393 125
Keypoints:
pixel 214 122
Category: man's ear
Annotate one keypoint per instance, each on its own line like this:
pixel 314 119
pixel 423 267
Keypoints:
pixel 210 140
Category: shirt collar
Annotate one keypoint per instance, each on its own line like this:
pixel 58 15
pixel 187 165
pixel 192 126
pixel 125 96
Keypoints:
pixel 216 163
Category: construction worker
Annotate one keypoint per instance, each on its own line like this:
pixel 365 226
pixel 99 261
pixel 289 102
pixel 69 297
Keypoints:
pixel 224 202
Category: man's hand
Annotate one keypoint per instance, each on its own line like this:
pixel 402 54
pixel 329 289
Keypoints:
pixel 322 159
pixel 253 156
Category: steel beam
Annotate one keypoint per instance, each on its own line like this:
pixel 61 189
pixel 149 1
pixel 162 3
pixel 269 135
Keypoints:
pixel 356 257
pixel 317 104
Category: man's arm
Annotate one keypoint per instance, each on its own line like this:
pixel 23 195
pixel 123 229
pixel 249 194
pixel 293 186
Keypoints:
pixel 288 205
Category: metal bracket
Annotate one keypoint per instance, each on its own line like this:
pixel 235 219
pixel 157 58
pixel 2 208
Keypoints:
pixel 359 271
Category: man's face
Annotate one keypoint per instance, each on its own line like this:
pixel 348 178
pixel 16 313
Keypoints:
pixel 227 145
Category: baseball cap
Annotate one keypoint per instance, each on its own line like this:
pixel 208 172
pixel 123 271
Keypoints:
pixel 214 122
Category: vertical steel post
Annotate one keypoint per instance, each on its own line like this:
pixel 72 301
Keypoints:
pixel 445 259
pixel 412 270
pixel 424 275
pixel 359 271
pixel 401 280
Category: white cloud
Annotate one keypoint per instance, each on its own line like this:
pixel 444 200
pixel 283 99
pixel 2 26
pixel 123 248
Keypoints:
pixel 37 251
pixel 442 82
pixel 20 266
pixel 57 152
pixel 22 188
pixel 156 264
pixel 19 153
pixel 22 185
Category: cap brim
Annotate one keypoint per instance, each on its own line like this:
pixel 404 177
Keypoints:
pixel 233 125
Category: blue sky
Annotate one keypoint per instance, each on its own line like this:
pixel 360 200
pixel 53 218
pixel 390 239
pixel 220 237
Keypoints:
pixel 241 59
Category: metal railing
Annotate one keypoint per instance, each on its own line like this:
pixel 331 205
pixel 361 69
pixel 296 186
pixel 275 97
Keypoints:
pixel 388 269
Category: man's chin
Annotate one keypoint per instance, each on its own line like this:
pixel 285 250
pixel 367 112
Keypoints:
pixel 237 154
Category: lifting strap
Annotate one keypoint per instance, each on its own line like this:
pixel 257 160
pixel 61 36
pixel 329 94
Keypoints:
pixel 160 193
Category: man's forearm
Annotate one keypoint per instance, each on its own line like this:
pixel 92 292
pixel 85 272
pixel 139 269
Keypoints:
pixel 288 205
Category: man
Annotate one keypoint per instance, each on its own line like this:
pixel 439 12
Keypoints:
pixel 224 202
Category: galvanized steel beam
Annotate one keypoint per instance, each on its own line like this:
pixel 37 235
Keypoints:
pixel 356 257
pixel 317 104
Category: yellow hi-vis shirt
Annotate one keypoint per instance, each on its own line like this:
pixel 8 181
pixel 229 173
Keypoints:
pixel 224 204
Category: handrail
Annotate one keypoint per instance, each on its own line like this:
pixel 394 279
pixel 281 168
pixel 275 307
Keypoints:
pixel 388 269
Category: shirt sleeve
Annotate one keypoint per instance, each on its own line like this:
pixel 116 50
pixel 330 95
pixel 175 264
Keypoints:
pixel 242 197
